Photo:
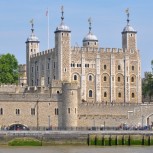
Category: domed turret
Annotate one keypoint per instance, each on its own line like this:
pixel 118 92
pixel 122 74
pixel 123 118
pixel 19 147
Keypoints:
pixel 90 40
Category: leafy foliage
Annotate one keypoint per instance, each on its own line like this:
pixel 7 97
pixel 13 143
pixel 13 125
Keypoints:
pixel 8 69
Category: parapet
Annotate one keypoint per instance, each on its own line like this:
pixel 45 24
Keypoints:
pixel 46 52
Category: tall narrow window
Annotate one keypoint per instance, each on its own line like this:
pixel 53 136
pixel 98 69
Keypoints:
pixel 1 111
pixel 90 78
pixel 90 93
pixel 68 110
pixel 105 94
pixel 132 95
pixel 119 67
pixel 105 78
pixel 75 77
pixel 119 95
pixel 119 79
pixel 132 79
pixel 105 67
pixel 132 68
pixel 32 111
pixel 56 111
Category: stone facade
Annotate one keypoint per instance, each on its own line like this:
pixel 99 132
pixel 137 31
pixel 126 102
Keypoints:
pixel 75 86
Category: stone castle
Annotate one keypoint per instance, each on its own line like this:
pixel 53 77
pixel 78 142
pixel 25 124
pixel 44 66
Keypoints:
pixel 74 87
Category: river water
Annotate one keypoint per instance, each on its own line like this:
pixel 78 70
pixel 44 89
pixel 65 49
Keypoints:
pixel 77 149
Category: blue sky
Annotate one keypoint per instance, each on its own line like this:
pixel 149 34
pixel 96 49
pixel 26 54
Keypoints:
pixel 108 18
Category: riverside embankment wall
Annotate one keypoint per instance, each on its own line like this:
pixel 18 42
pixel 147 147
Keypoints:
pixel 80 137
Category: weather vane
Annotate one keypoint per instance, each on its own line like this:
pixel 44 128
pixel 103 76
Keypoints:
pixel 62 11
pixel 128 14
pixel 89 20
pixel 32 25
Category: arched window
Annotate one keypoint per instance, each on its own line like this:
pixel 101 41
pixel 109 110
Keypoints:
pixel 132 79
pixel 90 77
pixel 132 68
pixel 119 67
pixel 90 93
pixel 133 95
pixel 105 67
pixel 119 94
pixel 105 78
pixel 119 79
pixel 75 77
pixel 105 94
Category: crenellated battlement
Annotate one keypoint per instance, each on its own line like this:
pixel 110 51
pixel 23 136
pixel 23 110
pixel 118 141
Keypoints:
pixel 90 49
pixel 46 52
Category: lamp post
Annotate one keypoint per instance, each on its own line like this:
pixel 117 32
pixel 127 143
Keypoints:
pixel 142 121
pixel 48 122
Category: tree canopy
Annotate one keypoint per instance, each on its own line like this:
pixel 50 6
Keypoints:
pixel 8 69
pixel 147 84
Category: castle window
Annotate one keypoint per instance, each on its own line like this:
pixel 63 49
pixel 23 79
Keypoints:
pixel 75 110
pixel 32 82
pixel 88 43
pixel 57 92
pixel 86 65
pixel 72 64
pixel 62 34
pixel 17 111
pixel 32 70
pixel 48 66
pixel 90 93
pixel 75 77
pixel 105 67
pixel 78 65
pixel 31 50
pixel 32 111
pixel 132 68
pixel 119 95
pixel 68 110
pixel 56 111
pixel 1 111
pixel 105 94
pixel 132 79
pixel 133 95
pixel 37 82
pixel 95 43
pixel 119 67
pixel 105 78
pixel 90 78
pixel 119 79
pixel 131 35
pixel 42 67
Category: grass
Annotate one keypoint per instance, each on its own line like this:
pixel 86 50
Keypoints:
pixel 25 142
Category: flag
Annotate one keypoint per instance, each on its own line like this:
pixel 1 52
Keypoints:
pixel 47 12
pixel 89 20
pixel 62 8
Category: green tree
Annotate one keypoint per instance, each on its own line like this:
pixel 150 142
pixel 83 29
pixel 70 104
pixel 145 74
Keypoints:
pixel 8 69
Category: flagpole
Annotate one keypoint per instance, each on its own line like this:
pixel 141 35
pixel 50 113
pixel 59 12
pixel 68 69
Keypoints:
pixel 48 27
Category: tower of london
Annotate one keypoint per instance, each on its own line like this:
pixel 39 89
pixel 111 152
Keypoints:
pixel 76 86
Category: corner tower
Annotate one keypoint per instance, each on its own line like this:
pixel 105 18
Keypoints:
pixel 32 47
pixel 129 36
pixel 63 51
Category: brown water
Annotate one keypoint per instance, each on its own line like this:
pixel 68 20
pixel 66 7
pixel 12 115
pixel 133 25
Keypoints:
pixel 76 149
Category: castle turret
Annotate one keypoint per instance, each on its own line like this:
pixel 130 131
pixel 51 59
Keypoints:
pixel 90 40
pixel 32 47
pixel 129 36
pixel 70 105
pixel 63 51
